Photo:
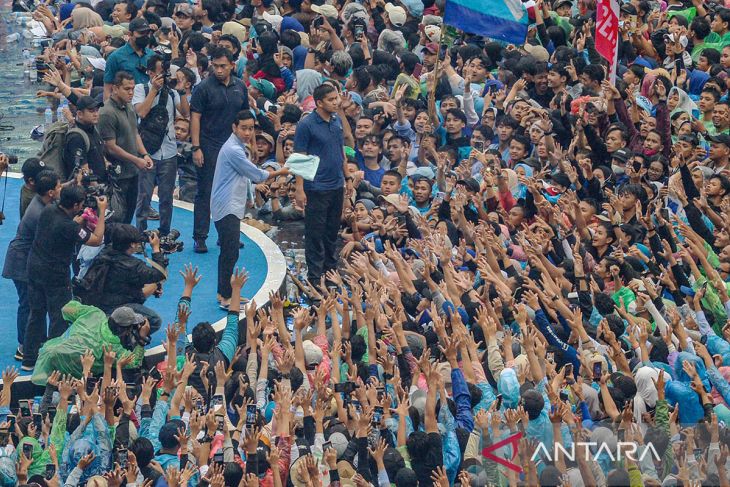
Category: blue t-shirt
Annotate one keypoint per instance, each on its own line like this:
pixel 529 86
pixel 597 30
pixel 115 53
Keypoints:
pixel 317 137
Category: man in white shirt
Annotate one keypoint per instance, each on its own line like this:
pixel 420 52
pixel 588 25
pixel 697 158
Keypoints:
pixel 164 172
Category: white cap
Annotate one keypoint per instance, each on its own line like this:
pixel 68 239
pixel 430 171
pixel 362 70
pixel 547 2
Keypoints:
pixel 397 15
pixel 326 10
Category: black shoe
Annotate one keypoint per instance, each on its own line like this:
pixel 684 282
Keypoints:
pixel 19 353
pixel 27 368
pixel 199 247
pixel 152 214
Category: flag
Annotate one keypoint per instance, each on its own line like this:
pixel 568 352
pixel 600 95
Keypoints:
pixel 501 20
pixel 607 17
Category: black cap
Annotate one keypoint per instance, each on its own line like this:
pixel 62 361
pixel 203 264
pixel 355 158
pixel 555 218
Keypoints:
pixel 139 25
pixel 31 167
pixel 88 103
pixel 627 8
pixel 720 139
pixel 622 155
pixel 470 183
pixel 559 3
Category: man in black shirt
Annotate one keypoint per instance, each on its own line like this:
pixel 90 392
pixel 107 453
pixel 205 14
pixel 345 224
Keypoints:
pixel 214 105
pixel 59 232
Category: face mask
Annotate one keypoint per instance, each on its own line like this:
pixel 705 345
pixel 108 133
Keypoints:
pixel 617 169
pixel 650 152
pixel 142 42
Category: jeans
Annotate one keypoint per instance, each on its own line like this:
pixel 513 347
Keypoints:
pixel 322 217
pixel 201 212
pixel 164 173
pixel 23 308
pixel 44 300
pixel 229 229
pixel 129 188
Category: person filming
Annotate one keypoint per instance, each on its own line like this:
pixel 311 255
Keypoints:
pixel 118 278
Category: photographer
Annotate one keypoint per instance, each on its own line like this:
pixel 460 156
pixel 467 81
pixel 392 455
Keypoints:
pixel 156 104
pixel 59 233
pixel 118 278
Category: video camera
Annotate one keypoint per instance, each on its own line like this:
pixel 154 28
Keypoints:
pixel 169 244
pixel 93 189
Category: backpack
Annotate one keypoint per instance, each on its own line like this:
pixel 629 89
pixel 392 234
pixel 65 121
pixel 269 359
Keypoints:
pixel 89 289
pixel 54 142
pixel 153 127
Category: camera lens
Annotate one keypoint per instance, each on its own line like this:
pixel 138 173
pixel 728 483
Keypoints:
pixel 12 159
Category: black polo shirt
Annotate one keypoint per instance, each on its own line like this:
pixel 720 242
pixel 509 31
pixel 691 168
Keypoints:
pixel 218 105
pixel 54 246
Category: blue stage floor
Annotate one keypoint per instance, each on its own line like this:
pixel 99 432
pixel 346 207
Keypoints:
pixel 205 306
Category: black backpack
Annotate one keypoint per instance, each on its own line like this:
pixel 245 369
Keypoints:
pixel 153 127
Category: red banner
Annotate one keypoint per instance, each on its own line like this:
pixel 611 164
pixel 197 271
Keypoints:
pixel 607 18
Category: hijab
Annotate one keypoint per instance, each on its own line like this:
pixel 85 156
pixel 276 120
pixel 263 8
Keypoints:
pixel 307 81
pixel 646 393
pixel 520 190
pixel 83 18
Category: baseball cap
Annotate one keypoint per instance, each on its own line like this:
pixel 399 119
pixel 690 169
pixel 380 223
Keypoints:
pixel 393 199
pixel 88 103
pixel 125 316
pixel 414 7
pixel 433 32
pixel 397 15
pixel 431 47
pixel 326 10
pixel 538 52
pixel 31 167
pixel 139 25
pixel 720 139
pixel 235 29
pixel 560 3
pixel 265 86
pixel 471 184
pixel 622 155
pixel 267 137
pixel 183 9
pixel 629 9
pixel 689 138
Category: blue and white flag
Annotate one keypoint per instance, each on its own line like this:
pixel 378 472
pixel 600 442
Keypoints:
pixel 501 20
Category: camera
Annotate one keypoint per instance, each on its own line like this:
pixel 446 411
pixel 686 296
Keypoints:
pixel 169 244
pixel 12 158
pixel 93 189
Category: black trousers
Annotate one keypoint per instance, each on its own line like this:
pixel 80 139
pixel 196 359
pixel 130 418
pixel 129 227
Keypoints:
pixel 229 230
pixel 44 300
pixel 130 189
pixel 322 217
pixel 201 212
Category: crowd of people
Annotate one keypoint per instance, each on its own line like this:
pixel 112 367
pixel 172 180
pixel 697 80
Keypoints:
pixel 517 267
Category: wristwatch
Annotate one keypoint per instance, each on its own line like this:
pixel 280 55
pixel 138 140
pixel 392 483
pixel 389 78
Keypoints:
pixel 195 147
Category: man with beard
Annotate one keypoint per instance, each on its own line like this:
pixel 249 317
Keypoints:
pixel 131 57
pixel 214 105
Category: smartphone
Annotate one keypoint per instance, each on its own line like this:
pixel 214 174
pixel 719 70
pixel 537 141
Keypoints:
pixel 478 145
pixel 4 437
pixel 346 387
pixel 199 406
pixel 218 457
pixel 664 212
pixel 637 166
pixel 131 390
pixel 38 422
pixel 24 408
pixel 122 456
pixel 442 52
pixel 568 370
pixel 418 70
pixel 318 21
pixel 377 415
pixel 250 415
pixel 11 420
pixel 633 19
pixel 356 403
pixel 597 370
pixel 499 401
pixel 219 422
pixel 216 401
pixel 381 393
pixel 563 396
pixel 155 374
pixel 326 446
pixel 28 450
pixel 51 471
pixel 51 413
pixel 91 384
pixel 698 453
